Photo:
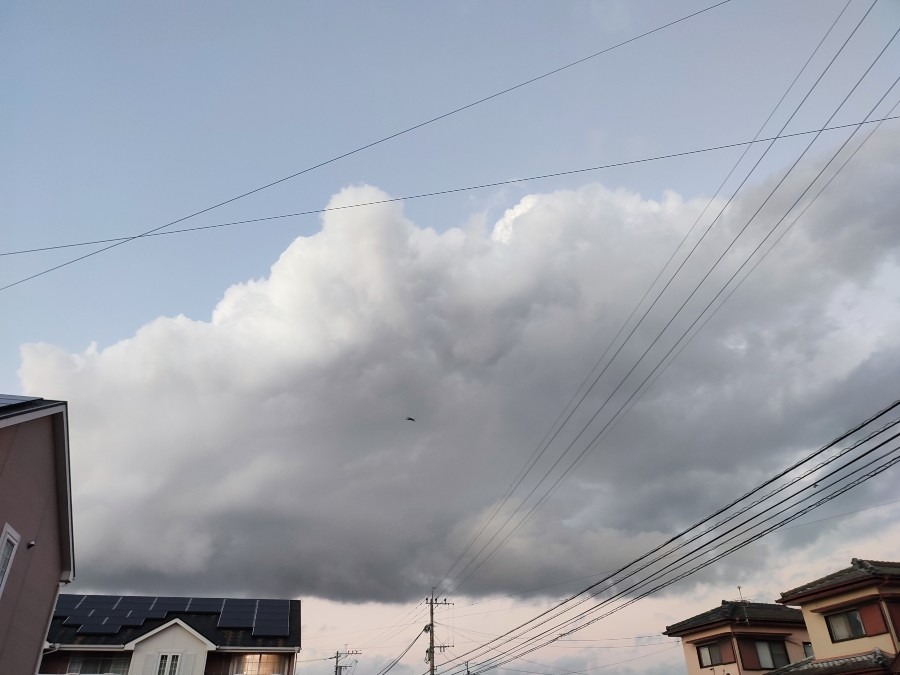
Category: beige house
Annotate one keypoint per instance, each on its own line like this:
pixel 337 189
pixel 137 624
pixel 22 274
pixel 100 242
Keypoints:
pixel 36 551
pixel 853 618
pixel 741 637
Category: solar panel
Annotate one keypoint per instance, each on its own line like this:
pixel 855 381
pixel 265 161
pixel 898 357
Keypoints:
pixel 206 605
pixel 99 601
pixel 136 603
pixel 236 621
pixel 276 611
pixel 106 615
pixel 75 620
pixel 275 630
pixel 171 604
pixel 132 621
pixel 92 621
pixel 150 614
pixel 99 629
pixel 68 601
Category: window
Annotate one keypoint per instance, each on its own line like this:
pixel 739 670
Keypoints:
pixel 845 626
pixel 762 654
pixel 771 654
pixel 807 649
pixel 9 542
pixel 89 663
pixel 856 623
pixel 260 664
pixel 715 653
pixel 168 664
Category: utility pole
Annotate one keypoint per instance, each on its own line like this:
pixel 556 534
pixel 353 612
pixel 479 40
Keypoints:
pixel 429 654
pixel 338 669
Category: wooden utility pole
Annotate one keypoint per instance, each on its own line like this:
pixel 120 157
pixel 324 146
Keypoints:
pixel 338 669
pixel 429 655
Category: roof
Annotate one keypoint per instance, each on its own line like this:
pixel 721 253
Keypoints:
pixel 875 660
pixel 738 613
pixel 10 399
pixel 110 620
pixel 860 573
pixel 11 405
pixel 20 409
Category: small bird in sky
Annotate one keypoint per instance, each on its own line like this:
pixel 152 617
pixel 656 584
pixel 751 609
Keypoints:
pixel 410 419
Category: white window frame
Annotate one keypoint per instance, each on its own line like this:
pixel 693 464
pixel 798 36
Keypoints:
pixel 9 535
pixel 168 667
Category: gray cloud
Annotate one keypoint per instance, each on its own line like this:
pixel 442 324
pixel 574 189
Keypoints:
pixel 267 450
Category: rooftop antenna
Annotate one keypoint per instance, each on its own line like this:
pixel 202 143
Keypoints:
pixel 744 605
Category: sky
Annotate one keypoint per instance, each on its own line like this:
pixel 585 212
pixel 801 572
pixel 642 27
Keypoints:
pixel 239 395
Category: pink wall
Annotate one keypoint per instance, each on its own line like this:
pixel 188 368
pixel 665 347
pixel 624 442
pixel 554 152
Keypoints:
pixel 28 502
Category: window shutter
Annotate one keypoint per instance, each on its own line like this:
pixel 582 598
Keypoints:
pixel 872 619
pixel 727 651
pixel 894 611
pixel 150 663
pixel 749 657
pixel 186 665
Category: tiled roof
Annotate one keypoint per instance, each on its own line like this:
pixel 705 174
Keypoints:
pixel 102 620
pixel 738 613
pixel 874 660
pixel 859 570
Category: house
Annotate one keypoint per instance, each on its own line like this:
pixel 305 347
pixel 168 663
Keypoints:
pixel 739 636
pixel 143 635
pixel 853 617
pixel 36 551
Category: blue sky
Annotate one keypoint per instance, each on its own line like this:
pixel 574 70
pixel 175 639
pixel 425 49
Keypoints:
pixel 275 363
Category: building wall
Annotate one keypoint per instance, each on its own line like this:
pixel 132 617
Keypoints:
pixel 821 638
pixel 793 644
pixel 28 503
pixel 173 639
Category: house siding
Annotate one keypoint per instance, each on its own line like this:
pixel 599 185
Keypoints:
pixel 29 504
pixel 793 644
pixel 172 639
pixel 821 638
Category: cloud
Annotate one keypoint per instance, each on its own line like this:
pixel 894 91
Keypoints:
pixel 266 451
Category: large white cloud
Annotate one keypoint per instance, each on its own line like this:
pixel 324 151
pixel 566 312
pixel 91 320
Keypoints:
pixel 267 449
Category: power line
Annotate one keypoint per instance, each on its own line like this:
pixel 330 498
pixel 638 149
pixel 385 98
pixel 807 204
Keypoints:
pixel 372 144
pixel 569 630
pixel 439 193
pixel 463 575
pixel 758 261
pixel 393 663
pixel 784 474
